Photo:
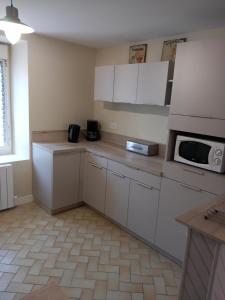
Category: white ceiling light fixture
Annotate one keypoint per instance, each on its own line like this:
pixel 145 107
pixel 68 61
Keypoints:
pixel 12 26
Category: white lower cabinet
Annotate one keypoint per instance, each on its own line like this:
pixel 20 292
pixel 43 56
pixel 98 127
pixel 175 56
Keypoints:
pixel 142 212
pixel 146 204
pixel 56 178
pixel 175 199
pixel 66 175
pixel 95 184
pixel 117 194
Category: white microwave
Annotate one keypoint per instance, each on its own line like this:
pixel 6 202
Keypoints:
pixel 206 154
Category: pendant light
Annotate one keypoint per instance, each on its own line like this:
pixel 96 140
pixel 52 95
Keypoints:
pixel 12 26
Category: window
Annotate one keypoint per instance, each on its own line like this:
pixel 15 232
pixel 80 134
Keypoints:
pixel 5 123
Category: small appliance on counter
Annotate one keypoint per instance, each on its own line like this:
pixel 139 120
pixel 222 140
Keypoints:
pixel 73 133
pixel 93 132
pixel 202 153
pixel 147 149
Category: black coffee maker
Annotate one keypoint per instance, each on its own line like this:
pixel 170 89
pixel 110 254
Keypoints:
pixel 93 132
pixel 73 133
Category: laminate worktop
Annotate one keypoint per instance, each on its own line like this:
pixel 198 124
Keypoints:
pixel 213 227
pixel 204 265
pixel 150 164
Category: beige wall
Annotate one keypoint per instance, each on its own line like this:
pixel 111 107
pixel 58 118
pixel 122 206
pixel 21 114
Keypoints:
pixel 144 122
pixel 60 91
pixel 60 83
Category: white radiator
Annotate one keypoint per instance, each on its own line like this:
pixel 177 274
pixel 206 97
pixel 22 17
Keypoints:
pixel 6 187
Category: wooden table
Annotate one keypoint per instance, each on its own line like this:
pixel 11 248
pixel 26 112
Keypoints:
pixel 204 266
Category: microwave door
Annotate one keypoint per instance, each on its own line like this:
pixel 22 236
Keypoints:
pixel 195 152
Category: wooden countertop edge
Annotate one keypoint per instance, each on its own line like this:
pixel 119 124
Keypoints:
pixel 194 219
pixel 108 154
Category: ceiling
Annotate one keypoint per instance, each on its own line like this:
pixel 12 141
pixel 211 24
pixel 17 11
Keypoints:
pixel 100 23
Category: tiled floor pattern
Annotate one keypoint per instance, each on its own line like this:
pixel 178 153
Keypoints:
pixel 88 256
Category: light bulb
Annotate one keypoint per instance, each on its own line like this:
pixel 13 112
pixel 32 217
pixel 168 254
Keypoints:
pixel 12 36
pixel 12 26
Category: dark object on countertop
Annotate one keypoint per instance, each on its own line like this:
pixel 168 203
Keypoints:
pixel 73 133
pixel 93 132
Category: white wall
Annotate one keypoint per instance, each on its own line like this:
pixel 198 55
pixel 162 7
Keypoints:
pixel 60 91
pixel 143 122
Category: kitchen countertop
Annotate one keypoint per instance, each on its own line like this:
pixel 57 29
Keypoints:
pixel 214 227
pixel 150 164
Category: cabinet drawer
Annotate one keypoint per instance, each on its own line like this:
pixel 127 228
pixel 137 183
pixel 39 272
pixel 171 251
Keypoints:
pixel 96 160
pixel 205 180
pixel 146 178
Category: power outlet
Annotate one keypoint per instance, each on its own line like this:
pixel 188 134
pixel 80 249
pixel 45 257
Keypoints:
pixel 113 125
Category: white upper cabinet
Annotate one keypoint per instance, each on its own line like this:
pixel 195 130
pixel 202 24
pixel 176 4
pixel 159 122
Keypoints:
pixel 152 83
pixel 134 83
pixel 125 84
pixel 104 83
pixel 198 85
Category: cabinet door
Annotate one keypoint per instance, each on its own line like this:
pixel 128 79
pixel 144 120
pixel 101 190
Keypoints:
pixel 66 173
pixel 175 199
pixel 95 185
pixel 142 212
pixel 152 83
pixel 117 193
pixel 125 84
pixel 104 82
pixel 198 85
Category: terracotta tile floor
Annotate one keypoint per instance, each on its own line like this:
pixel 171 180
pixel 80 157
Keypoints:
pixel 89 257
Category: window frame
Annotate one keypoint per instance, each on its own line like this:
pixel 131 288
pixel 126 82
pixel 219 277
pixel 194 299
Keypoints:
pixel 8 147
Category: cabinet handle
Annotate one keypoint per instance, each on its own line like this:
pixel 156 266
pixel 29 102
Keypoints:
pixel 190 187
pixel 145 186
pixel 200 116
pixel 194 171
pixel 117 174
pixel 133 168
pixel 95 166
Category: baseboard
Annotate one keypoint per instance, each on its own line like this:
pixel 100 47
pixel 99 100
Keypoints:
pixel 23 199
